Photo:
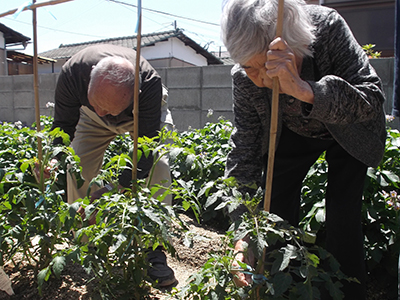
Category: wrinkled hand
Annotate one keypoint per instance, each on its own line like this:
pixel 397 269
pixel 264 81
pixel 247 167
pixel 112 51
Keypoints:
pixel 282 63
pixel 246 256
pixel 93 196
pixel 47 170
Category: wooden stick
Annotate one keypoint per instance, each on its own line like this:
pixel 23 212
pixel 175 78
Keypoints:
pixel 136 100
pixel 35 72
pixel 36 93
pixel 272 134
pixel 33 6
pixel 274 119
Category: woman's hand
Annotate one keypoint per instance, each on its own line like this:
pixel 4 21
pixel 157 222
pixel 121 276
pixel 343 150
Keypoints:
pixel 283 64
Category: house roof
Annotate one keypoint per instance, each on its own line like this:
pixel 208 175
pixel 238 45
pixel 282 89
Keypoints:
pixel 66 51
pixel 26 58
pixel 224 56
pixel 13 37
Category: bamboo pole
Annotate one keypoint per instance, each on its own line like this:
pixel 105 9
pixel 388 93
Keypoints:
pixel 272 133
pixel 274 119
pixel 33 6
pixel 36 93
pixel 136 99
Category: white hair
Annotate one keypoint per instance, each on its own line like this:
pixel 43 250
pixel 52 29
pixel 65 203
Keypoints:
pixel 116 70
pixel 249 26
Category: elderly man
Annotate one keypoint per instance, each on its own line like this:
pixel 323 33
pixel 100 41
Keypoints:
pixel 330 101
pixel 94 103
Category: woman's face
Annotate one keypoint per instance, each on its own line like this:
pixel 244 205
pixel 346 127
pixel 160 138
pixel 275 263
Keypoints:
pixel 256 71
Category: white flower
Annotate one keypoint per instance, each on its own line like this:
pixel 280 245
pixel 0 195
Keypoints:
pixel 49 104
pixel 18 124
pixel 210 113
pixel 389 118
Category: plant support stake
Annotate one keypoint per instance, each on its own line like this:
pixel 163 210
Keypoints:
pixel 274 119
pixel 136 97
pixel 272 134
pixel 32 6
pixel 36 89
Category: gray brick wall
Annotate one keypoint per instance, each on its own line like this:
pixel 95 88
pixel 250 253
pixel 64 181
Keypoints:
pixel 193 92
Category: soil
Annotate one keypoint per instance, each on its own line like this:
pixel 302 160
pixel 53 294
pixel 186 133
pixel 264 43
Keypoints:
pixel 76 284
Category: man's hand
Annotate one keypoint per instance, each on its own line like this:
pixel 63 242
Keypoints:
pixel 245 255
pixel 47 170
pixel 93 196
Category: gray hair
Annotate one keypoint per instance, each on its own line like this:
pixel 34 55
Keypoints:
pixel 116 70
pixel 249 26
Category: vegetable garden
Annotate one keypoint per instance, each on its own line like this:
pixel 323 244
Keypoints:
pixel 36 223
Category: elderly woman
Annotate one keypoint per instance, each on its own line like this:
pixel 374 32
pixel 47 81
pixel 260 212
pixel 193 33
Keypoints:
pixel 330 100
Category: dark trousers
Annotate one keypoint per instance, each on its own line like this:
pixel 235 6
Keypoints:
pixel 344 238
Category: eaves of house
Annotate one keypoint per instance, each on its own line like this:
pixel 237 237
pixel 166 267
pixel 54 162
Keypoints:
pixel 19 57
pixel 12 37
pixel 66 51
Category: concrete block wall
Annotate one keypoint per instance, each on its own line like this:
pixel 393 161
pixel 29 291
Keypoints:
pixel 17 99
pixel 385 69
pixel 193 92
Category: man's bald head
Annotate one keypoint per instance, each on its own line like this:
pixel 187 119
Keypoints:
pixel 111 85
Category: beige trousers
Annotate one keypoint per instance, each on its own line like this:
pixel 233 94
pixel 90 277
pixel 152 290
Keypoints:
pixel 91 140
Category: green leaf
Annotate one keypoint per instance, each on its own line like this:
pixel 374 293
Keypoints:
pixel 372 173
pixel 152 216
pixel 120 238
pixel 73 208
pixel 205 189
pixel 25 165
pixel 2 173
pixel 390 176
pixel 281 282
pixel 190 159
pixel 30 201
pixel 309 237
pixel 320 215
pixel 58 265
pixel 381 180
pixel 289 252
pixel 174 153
pixel 43 276
pixel 314 260
pixel 211 200
pixel 186 205
pixel 334 289
pixel 305 291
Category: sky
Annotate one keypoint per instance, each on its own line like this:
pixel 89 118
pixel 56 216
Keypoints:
pixel 80 21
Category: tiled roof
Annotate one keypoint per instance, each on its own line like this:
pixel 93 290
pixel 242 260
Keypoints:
pixel 12 36
pixel 66 51
pixel 224 56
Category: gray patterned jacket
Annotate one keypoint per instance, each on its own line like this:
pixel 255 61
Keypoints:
pixel 348 101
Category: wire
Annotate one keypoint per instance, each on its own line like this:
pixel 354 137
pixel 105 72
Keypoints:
pixel 164 13
pixel 64 31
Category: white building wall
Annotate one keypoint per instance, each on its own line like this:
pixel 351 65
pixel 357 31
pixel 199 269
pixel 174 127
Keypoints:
pixel 2 41
pixel 171 53
pixel 174 48
pixel 3 55
pixel 48 68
